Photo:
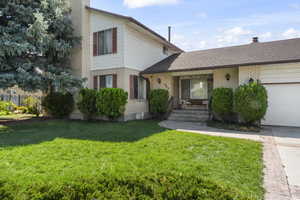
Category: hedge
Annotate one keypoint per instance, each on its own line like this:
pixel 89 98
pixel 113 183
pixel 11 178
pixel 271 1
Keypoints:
pixel 251 102
pixel 158 102
pixel 111 102
pixel 58 104
pixel 222 102
pixel 87 103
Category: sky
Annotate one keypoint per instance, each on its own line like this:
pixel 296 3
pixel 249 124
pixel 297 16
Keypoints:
pixel 204 24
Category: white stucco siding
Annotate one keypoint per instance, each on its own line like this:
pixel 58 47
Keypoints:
pixel 100 22
pixel 141 51
pixel 220 78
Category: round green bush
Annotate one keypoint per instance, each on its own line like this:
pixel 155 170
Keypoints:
pixel 33 105
pixel 222 102
pixel 251 102
pixel 87 103
pixel 158 102
pixel 111 102
pixel 58 104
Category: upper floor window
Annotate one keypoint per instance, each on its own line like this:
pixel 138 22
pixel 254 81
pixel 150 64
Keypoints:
pixel 105 42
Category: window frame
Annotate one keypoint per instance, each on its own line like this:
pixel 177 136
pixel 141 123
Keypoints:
pixel 99 39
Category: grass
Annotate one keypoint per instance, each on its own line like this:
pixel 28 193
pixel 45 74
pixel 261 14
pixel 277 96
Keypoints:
pixel 134 160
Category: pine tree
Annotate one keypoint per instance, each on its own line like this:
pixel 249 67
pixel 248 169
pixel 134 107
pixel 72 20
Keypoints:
pixel 36 39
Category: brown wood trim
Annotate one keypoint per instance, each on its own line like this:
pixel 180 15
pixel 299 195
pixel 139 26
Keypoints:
pixel 281 83
pixel 95 44
pixel 115 80
pixel 114 40
pixel 131 86
pixel 95 82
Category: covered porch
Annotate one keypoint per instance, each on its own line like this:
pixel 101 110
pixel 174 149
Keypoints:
pixel 193 89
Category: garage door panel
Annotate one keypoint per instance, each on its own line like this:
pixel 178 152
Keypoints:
pixel 284 105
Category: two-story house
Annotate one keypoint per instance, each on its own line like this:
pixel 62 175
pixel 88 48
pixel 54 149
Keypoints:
pixel 118 51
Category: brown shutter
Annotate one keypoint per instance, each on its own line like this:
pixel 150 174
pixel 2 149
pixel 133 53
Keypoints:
pixel 96 82
pixel 95 44
pixel 114 40
pixel 115 81
pixel 131 83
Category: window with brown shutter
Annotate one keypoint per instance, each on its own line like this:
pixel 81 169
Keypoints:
pixel 105 42
pixel 137 87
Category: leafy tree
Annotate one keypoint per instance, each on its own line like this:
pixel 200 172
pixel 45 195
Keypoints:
pixel 35 45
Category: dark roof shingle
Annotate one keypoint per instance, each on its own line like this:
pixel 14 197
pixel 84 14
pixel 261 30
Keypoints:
pixel 252 54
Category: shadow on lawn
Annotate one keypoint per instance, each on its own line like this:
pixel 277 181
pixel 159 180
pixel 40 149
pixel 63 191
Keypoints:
pixel 38 132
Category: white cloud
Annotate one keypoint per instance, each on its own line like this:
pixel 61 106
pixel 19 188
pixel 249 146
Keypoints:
pixel 291 33
pixel 266 36
pixel 144 3
pixel 202 15
pixel 233 36
pixel 189 43
pixel 295 5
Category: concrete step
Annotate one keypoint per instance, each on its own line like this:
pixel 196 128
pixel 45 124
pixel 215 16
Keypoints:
pixel 189 115
pixel 199 112
pixel 190 119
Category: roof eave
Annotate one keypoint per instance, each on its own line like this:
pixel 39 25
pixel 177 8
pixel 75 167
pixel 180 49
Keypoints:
pixel 223 66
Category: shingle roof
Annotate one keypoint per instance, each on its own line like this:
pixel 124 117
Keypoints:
pixel 169 44
pixel 281 51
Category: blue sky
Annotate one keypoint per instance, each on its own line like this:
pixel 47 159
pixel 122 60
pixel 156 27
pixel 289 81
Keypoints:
pixel 203 24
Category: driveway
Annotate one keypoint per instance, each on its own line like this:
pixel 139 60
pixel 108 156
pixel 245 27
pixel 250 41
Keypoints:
pixel 288 145
pixel 281 155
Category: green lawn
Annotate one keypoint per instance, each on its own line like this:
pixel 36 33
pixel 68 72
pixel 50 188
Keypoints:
pixel 134 160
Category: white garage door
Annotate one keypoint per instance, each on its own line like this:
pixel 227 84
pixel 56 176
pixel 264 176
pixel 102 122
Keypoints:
pixel 284 105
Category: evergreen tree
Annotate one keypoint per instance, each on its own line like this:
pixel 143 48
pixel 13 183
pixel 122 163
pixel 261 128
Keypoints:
pixel 36 39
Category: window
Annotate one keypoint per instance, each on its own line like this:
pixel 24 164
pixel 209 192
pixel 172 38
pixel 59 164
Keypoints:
pixel 165 50
pixel 137 87
pixel 105 81
pixel 105 42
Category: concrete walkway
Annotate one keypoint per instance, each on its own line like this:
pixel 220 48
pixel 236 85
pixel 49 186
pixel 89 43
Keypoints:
pixel 281 155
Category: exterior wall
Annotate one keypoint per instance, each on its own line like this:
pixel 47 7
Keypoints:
pixel 167 82
pixel 141 50
pixel 220 79
pixel 135 108
pixel 80 59
pixel 99 22
pixel 275 73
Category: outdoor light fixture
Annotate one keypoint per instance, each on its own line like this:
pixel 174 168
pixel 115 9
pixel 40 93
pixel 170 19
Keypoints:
pixel 227 77
pixel 159 81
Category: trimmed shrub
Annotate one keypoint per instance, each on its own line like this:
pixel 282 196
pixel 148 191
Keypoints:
pixel 111 102
pixel 158 102
pixel 33 105
pixel 222 102
pixel 87 103
pixel 251 102
pixel 58 104
pixel 6 107
pixel 157 186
